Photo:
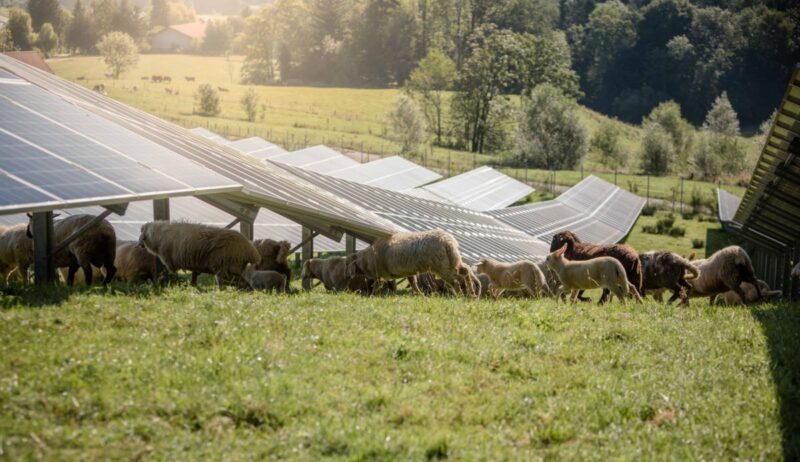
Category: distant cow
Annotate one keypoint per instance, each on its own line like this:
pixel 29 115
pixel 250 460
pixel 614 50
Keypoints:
pixel 156 78
pixel 166 78
pixel 189 78
pixel 168 90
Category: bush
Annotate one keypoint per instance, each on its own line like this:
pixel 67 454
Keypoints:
pixel 677 231
pixel 665 224
pixel 249 103
pixel 649 210
pixel 698 243
pixel 207 100
pixel 650 229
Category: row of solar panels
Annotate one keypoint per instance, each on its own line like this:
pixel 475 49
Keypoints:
pixel 98 143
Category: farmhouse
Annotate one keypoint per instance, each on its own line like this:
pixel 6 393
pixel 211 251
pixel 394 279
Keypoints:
pixel 179 37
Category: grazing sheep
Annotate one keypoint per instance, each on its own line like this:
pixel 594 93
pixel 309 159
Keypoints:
pixel 97 246
pixel 264 280
pixel 97 275
pixel 199 249
pixel 524 275
pixel 16 252
pixel 274 257
pixel 667 270
pixel 732 298
pixel 408 254
pixel 331 271
pixel 726 270
pixel 134 263
pixel 429 284
pixel 577 250
pixel 605 272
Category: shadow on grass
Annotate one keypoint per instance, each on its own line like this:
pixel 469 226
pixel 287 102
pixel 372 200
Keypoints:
pixel 781 324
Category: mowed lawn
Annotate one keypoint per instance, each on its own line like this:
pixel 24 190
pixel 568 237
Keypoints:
pixel 185 374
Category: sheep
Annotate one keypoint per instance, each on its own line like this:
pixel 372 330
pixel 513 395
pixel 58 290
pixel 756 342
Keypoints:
pixel 331 271
pixel 408 254
pixel 16 253
pixel 199 249
pixel 524 275
pixel 725 270
pixel 605 272
pixel 732 298
pixel 134 263
pixel 97 275
pixel 274 257
pixel 265 280
pixel 96 246
pixel 796 271
pixel 667 270
pixel 429 284
pixel 577 250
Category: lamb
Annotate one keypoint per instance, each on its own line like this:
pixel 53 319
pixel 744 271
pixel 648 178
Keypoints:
pixel 524 275
pixel 577 250
pixel 732 298
pixel 199 249
pixel 667 270
pixel 726 270
pixel 134 263
pixel 97 246
pixel 274 257
pixel 264 280
pixel 605 272
pixel 408 254
pixel 16 252
pixel 331 271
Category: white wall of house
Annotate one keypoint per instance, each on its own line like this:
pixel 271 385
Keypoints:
pixel 170 40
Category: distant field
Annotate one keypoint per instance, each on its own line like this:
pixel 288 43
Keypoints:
pixel 182 374
pixel 300 116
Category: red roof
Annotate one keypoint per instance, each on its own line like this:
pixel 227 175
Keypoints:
pixel 31 58
pixel 195 30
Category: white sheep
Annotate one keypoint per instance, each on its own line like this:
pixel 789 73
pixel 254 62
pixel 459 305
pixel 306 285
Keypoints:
pixel 16 253
pixel 725 270
pixel 266 280
pixel 522 275
pixel 601 272
pixel 732 298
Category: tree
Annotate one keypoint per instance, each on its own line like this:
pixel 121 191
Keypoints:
pixel 657 150
pixel 6 43
pixel 159 13
pixel 19 26
pixel 408 124
pixel 550 133
pixel 259 63
pixel 722 132
pixel 181 13
pixel 219 37
pixel 129 20
pixel 707 157
pixel 607 146
pixel 433 76
pixel 721 118
pixel 668 116
pixel 47 40
pixel 207 100
pixel 119 52
pixel 80 34
pixel 384 43
pixel 547 59
pixel 45 11
pixel 249 103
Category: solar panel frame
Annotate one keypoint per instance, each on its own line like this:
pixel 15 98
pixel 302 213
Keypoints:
pixel 483 188
pixel 393 173
pixel 320 159
pixel 727 204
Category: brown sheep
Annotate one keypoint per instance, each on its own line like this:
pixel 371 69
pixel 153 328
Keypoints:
pixel 97 275
pixel 134 263
pixel 524 275
pixel 274 257
pixel 199 249
pixel 16 253
pixel 731 298
pixel 577 250
pixel 725 270
pixel 97 246
pixel 331 271
pixel 408 254
pixel 604 272
pixel 667 270
pixel 265 280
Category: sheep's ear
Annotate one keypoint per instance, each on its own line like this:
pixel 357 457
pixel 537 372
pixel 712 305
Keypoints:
pixel 30 215
pixel 691 256
pixel 560 252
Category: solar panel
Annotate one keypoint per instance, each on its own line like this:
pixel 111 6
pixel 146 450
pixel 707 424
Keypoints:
pixel 478 234
pixel 209 135
pixel 595 210
pixel 727 204
pixel 393 173
pixel 257 147
pixel 320 159
pixel 55 154
pixel 481 189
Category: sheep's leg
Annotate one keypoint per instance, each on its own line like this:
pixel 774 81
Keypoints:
pixel 620 293
pixel 88 275
pixel 582 298
pixel 412 281
pixel 604 297
pixel 111 270
pixel 194 278
pixel 676 293
pixel 740 293
pixel 573 296
pixel 530 291
pixel 71 274
pixel 634 293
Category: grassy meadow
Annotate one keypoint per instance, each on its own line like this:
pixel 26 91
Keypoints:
pixel 339 117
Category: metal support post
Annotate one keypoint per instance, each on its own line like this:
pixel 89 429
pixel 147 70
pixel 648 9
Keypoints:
pixel 308 252
pixel 43 269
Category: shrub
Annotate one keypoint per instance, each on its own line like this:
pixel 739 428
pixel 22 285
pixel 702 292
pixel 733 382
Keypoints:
pixel 650 229
pixel 698 243
pixel 649 210
pixel 677 231
pixel 249 103
pixel 207 100
pixel 663 225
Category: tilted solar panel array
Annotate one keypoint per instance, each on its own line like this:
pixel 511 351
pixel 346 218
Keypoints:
pixel 727 204
pixel 392 173
pixel 320 159
pixel 54 154
pixel 478 234
pixel 209 135
pixel 481 189
pixel 595 210
pixel 257 147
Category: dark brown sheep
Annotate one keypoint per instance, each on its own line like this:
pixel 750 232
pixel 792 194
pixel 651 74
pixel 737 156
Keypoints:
pixel 577 250
pixel 274 257
pixel 667 270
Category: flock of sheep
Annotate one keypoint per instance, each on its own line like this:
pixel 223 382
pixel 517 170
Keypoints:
pixel 429 260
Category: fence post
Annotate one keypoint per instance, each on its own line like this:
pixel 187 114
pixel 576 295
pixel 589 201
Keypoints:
pixel 681 195
pixel 615 177
pixel 474 159
pixel 581 171
pixel 449 162
pixel 648 189
pixel 526 175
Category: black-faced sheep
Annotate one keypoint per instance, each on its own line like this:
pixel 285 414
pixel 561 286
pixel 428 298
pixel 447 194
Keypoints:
pixel 577 250
pixel 134 263
pixel 600 272
pixel 266 280
pixel 404 255
pixel 726 270
pixel 16 253
pixel 732 298
pixel 667 270
pixel 97 246
pixel 522 275
pixel 274 257
pixel 199 249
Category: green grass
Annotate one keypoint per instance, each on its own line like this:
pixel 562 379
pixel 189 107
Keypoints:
pixel 695 229
pixel 182 374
